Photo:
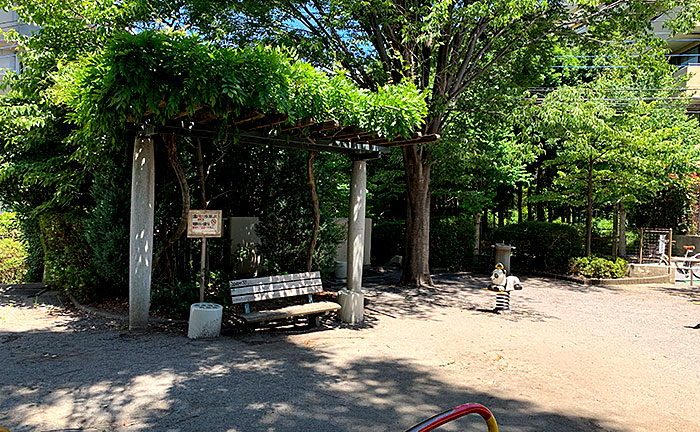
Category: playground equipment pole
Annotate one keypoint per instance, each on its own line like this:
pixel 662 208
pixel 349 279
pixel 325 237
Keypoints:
pixel 455 413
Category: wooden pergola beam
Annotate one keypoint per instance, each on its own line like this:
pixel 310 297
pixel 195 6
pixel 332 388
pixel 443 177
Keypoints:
pixel 325 145
pixel 255 115
pixel 301 123
pixel 266 122
pixel 421 140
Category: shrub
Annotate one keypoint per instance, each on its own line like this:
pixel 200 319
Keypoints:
pixel 31 237
pixel 284 242
pixel 107 227
pixel 452 242
pixel 13 261
pixel 9 225
pixel 175 300
pixel 388 239
pixel 541 245
pixel 13 251
pixel 286 220
pixel 595 267
pixel 67 256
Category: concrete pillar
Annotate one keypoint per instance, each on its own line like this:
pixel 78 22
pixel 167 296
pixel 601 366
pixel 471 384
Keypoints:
pixel 141 232
pixel 352 299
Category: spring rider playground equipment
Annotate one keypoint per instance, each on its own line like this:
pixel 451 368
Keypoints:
pixel 502 285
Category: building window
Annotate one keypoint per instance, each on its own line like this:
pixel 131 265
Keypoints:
pixel 691 56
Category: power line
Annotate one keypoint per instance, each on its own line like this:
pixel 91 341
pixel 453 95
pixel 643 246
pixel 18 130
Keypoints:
pixel 618 56
pixel 677 89
pixel 607 66
pixel 586 67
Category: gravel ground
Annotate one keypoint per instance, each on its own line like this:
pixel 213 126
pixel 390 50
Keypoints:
pixel 570 358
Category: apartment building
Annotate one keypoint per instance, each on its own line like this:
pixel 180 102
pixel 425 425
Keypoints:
pixel 685 55
pixel 8 50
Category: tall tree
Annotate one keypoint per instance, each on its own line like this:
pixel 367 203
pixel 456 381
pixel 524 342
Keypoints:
pixel 620 138
pixel 444 47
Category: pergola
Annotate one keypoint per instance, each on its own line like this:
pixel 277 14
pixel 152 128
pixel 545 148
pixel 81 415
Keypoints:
pixel 260 128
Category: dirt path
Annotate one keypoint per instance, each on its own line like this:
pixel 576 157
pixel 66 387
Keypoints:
pixel 570 358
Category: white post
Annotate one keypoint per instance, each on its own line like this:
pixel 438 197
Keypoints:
pixel 203 270
pixel 141 232
pixel 352 299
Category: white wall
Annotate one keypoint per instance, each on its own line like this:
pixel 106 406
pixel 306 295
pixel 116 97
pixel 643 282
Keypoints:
pixel 341 253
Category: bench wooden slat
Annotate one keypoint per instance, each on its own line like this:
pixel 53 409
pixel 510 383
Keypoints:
pixel 275 287
pixel 268 295
pixel 291 311
pixel 274 279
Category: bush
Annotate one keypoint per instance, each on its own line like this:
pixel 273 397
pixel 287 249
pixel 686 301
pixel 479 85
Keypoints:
pixel 284 242
pixel 541 245
pixel 31 237
pixel 452 242
pixel 174 301
pixel 595 267
pixel 67 256
pixel 107 227
pixel 13 261
pixel 388 239
pixel 286 220
pixel 9 226
pixel 13 252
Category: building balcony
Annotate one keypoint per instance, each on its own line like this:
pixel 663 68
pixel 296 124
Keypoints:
pixel 692 72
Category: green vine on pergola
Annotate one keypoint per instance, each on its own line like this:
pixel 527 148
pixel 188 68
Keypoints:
pixel 169 79
pixel 174 84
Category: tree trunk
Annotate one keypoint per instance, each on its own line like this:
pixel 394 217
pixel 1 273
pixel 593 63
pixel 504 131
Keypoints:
pixel 615 228
pixel 317 212
pixel 520 202
pixel 622 245
pixel 589 209
pixel 171 147
pixel 416 270
pixel 477 233
pixel 501 208
pixel 200 174
pixel 539 206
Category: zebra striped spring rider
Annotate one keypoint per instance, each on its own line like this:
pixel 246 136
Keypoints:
pixel 502 285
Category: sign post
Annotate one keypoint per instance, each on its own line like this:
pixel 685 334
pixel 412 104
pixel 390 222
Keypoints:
pixel 203 224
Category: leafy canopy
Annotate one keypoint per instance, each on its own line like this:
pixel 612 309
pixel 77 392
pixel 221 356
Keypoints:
pixel 162 74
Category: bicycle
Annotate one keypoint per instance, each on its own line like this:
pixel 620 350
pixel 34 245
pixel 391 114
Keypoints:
pixel 683 267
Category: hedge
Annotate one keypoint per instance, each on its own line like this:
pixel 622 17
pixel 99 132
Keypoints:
pixel 541 246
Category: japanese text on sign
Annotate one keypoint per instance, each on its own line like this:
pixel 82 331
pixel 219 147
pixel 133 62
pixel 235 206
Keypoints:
pixel 204 223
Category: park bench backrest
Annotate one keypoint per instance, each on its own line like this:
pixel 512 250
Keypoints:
pixel 272 287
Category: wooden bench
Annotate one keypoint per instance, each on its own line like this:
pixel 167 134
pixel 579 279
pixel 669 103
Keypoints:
pixel 274 287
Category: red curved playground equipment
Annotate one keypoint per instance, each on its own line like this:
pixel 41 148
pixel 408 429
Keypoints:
pixel 455 413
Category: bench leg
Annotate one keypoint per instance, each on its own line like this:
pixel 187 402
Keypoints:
pixel 314 320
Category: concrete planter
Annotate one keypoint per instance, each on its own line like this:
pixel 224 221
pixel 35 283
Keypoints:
pixel 205 320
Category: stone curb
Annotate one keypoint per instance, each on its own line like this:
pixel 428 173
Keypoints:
pixel 118 317
pixel 607 282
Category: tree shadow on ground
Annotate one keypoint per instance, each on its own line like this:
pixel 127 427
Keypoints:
pixel 563 285
pixel 463 291
pixel 680 290
pixel 103 379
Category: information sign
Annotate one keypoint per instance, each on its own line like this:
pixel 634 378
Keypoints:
pixel 204 223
